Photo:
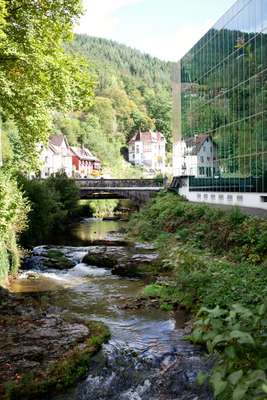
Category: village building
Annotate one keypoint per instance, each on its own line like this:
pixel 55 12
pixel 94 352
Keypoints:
pixel 84 163
pixel 196 156
pixel 59 156
pixel 56 157
pixel 148 149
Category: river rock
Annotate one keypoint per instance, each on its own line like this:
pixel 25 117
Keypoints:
pixel 45 257
pixel 35 344
pixel 123 261
pixel 110 242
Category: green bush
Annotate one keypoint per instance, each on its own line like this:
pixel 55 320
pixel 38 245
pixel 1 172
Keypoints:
pixel 216 262
pixel 13 213
pixel 241 238
pixel 53 203
pixel 238 336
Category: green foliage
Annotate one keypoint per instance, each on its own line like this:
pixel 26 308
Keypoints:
pixel 203 279
pixel 146 69
pixel 13 211
pixel 36 74
pixel 216 262
pixel 152 290
pixel 53 202
pixel 238 336
pixel 241 238
pixel 132 94
pixel 103 208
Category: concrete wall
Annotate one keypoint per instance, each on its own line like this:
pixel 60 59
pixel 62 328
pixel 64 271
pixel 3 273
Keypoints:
pixel 250 200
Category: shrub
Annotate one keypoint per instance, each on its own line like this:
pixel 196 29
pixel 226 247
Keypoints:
pixel 217 261
pixel 238 336
pixel 241 238
pixel 53 203
pixel 13 214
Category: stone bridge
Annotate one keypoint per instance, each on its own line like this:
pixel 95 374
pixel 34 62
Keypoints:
pixel 137 190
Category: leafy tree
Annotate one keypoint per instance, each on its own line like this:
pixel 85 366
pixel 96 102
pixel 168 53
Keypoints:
pixel 52 204
pixel 36 74
pixel 159 108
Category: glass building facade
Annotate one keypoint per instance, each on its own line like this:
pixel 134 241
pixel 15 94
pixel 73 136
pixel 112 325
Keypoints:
pixel 223 83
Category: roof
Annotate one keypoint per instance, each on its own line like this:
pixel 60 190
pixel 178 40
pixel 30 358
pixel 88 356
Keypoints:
pixel 57 141
pixel 53 148
pixel 196 142
pixel 83 153
pixel 148 137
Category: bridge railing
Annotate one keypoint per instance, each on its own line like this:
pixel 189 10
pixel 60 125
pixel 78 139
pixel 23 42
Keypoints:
pixel 119 183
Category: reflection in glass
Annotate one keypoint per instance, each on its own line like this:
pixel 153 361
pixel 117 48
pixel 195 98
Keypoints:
pixel 224 96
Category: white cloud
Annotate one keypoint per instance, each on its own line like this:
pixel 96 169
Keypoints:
pixel 173 47
pixel 100 19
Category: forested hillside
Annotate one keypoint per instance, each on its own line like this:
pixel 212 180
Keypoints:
pixel 124 60
pixel 132 92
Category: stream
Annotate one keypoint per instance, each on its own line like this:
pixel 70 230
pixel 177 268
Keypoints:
pixel 146 357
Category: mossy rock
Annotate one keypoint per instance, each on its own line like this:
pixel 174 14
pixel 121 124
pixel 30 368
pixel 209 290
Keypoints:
pixel 62 374
pixel 100 260
pixel 142 271
pixel 56 259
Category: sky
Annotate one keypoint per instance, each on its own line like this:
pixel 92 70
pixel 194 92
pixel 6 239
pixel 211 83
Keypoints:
pixel 166 29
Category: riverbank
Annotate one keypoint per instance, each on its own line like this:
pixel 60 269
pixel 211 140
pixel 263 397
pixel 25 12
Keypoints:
pixel 216 263
pixel 41 351
pixel 146 356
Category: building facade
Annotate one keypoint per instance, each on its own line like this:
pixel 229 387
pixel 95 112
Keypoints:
pixel 55 157
pixel 196 156
pixel 84 163
pixel 59 156
pixel 148 149
pixel 223 94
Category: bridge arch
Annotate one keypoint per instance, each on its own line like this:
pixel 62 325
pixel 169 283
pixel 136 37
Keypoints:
pixel 137 190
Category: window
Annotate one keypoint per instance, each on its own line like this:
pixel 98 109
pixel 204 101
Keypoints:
pixel 147 148
pixel 201 159
pixel 208 171
pixel 201 171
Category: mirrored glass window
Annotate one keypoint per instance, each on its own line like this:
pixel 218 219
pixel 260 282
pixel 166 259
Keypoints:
pixel 224 98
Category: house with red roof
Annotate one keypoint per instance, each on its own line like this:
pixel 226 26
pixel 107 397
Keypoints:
pixel 59 156
pixel 84 163
pixel 148 149
pixel 196 156
pixel 56 157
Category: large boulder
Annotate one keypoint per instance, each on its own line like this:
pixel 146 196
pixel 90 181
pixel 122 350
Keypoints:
pixel 124 261
pixel 42 352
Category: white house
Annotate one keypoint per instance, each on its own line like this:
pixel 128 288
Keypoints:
pixel 148 149
pixel 195 156
pixel 56 157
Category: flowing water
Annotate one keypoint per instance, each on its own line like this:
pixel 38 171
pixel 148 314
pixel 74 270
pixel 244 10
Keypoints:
pixel 147 357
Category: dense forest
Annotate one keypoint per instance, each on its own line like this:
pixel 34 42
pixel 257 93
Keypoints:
pixel 132 92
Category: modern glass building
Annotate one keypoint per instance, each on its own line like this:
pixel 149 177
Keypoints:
pixel 223 95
